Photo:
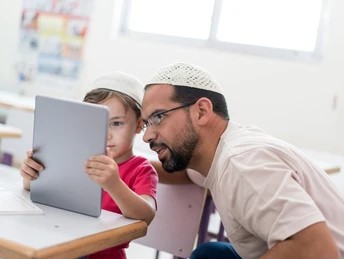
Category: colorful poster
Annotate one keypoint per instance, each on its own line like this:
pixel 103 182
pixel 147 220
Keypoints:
pixel 52 36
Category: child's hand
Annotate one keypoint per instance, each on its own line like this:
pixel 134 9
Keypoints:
pixel 30 169
pixel 103 170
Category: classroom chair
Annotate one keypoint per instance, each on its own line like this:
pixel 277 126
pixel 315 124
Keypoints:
pixel 14 150
pixel 204 235
pixel 174 229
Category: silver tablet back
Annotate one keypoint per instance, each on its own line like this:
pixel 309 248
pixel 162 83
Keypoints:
pixel 66 133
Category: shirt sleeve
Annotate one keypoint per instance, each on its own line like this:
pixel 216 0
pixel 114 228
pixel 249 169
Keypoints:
pixel 146 180
pixel 268 197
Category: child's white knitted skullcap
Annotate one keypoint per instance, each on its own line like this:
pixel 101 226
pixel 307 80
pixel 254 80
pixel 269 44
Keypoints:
pixel 121 82
pixel 182 74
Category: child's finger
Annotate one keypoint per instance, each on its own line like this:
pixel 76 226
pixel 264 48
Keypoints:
pixel 29 153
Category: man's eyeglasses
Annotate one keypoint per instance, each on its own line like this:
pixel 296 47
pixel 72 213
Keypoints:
pixel 155 119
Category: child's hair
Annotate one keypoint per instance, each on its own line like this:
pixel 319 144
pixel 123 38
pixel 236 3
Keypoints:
pixel 126 88
pixel 100 95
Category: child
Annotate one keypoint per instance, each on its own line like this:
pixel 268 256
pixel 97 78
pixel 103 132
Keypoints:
pixel 128 181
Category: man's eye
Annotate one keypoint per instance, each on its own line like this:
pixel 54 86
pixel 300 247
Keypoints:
pixel 156 119
pixel 159 116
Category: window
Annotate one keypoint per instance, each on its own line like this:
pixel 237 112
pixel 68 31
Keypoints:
pixel 282 28
pixel 182 18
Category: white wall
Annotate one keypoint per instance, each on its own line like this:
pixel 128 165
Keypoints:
pixel 9 24
pixel 290 99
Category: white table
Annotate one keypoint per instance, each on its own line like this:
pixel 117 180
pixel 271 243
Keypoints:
pixel 13 100
pixel 58 233
pixel 332 163
pixel 7 131
pixel 19 114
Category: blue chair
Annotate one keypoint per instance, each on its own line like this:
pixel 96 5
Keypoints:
pixel 204 235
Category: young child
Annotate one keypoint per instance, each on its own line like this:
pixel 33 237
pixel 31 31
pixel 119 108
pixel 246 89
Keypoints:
pixel 128 181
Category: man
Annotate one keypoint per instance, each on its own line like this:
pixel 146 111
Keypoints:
pixel 273 201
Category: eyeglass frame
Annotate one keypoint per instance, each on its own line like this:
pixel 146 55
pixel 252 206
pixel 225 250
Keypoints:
pixel 149 122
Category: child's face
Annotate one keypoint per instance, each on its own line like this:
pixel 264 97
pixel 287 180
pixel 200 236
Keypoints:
pixel 123 126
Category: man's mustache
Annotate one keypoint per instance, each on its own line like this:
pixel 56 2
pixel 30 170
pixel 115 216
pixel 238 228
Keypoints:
pixel 156 145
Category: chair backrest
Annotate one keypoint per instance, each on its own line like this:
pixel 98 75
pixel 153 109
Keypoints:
pixel 17 147
pixel 176 223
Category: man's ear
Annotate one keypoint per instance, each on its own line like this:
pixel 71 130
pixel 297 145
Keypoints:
pixel 205 110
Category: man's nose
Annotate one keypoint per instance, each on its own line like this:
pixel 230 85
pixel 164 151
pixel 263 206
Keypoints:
pixel 148 134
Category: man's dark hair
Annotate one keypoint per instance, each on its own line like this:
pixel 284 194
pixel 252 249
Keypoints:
pixel 184 95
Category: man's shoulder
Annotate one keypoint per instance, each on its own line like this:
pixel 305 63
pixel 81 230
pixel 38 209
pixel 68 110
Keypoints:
pixel 238 139
pixel 239 136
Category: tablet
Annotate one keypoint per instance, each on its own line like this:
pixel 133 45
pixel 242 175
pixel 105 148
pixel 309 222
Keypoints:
pixel 65 134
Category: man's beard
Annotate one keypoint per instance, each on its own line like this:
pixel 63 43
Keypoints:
pixel 182 151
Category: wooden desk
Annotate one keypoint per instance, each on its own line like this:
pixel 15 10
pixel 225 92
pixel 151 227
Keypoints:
pixel 7 131
pixel 59 233
pixel 331 163
pixel 16 101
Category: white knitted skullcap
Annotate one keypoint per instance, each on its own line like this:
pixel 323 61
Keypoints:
pixel 185 75
pixel 121 82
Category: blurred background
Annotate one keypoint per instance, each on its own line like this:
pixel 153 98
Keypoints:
pixel 280 62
